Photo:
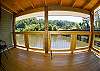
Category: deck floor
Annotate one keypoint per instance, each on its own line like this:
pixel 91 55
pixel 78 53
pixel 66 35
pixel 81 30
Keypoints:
pixel 22 60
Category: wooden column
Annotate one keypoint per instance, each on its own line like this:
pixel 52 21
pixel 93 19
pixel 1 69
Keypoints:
pixel 91 30
pixel 73 42
pixel 26 41
pixel 13 29
pixel 46 29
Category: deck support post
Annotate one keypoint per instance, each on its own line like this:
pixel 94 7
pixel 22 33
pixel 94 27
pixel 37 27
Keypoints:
pixel 13 29
pixel 46 30
pixel 91 30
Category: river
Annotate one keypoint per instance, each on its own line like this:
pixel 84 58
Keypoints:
pixel 57 41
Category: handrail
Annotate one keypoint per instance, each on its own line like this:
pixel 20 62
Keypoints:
pixel 33 32
pixel 57 32
pixel 97 33
pixel 70 32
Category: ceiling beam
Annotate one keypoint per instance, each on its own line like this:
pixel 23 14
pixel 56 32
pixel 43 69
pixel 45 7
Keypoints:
pixel 53 7
pixel 7 9
pixel 96 5
pixel 19 7
pixel 60 2
pixel 74 3
pixel 11 12
pixel 86 3
pixel 31 3
pixel 7 6
pixel 90 2
pixel 30 11
pixel 45 2
pixel 64 8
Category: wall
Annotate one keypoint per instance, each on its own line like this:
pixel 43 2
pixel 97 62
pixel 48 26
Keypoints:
pixel 6 26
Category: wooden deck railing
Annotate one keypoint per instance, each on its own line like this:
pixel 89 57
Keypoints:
pixel 94 48
pixel 72 33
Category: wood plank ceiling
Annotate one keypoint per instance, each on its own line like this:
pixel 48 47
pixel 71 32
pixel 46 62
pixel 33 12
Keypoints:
pixel 21 7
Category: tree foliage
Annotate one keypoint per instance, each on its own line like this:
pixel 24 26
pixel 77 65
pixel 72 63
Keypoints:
pixel 32 24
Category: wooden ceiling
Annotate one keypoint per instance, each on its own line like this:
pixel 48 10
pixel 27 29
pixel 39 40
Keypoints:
pixel 21 7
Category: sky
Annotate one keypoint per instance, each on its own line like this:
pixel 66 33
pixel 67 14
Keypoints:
pixel 57 15
pixel 67 18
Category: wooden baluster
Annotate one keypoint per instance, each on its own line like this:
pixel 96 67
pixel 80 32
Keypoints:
pixel 73 42
pixel 49 41
pixel 26 41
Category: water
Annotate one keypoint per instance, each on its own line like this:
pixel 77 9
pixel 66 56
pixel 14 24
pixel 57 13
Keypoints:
pixel 60 42
pixel 57 41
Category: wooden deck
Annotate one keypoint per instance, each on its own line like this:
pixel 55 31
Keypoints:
pixel 22 60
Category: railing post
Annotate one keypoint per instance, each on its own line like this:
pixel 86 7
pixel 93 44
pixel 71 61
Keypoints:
pixel 49 41
pixel 46 29
pixel 26 41
pixel 73 42
pixel 91 30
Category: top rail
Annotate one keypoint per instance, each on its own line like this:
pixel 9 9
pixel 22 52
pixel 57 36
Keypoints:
pixel 57 32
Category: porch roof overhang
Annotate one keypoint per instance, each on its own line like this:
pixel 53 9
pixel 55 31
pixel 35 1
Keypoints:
pixel 22 7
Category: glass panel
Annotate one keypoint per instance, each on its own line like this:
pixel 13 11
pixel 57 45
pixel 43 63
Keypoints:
pixel 60 41
pixel 36 41
pixel 82 41
pixel 20 39
pixel 97 42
